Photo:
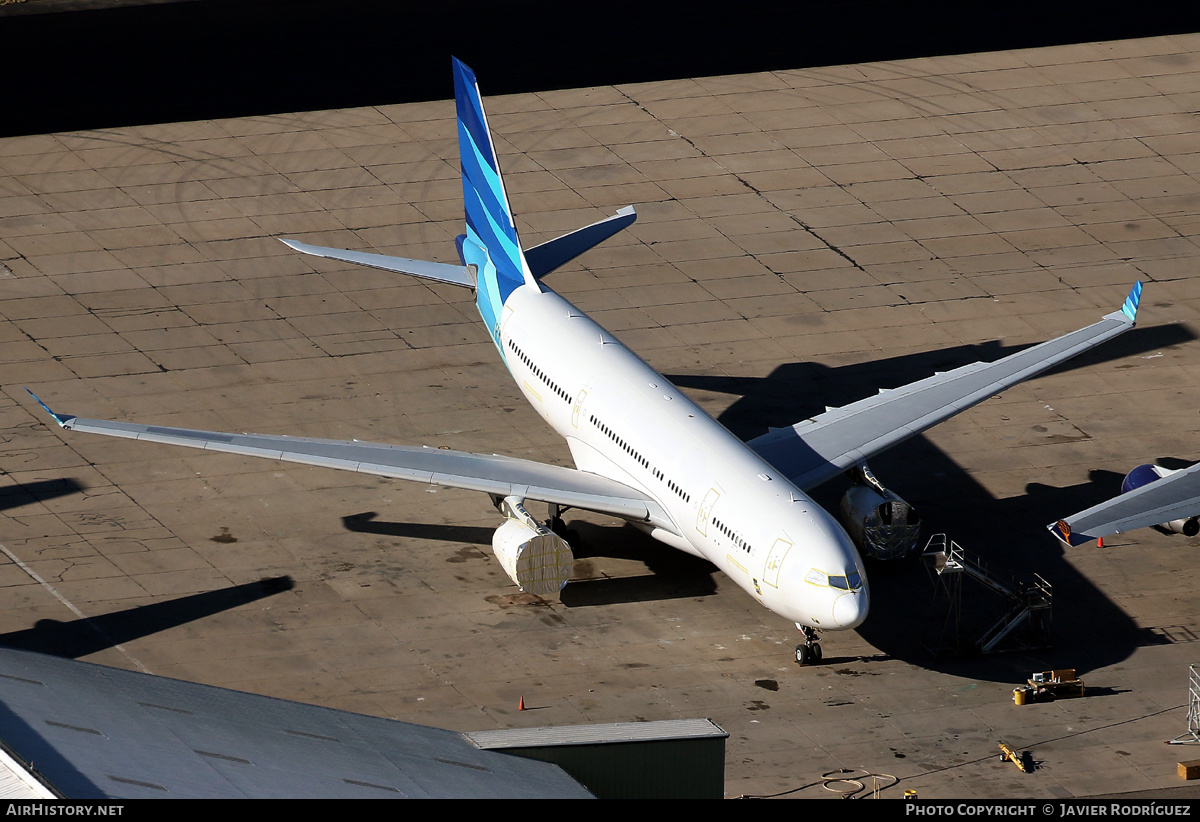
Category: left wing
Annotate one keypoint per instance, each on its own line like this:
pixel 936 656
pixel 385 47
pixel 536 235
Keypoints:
pixel 820 448
pixel 491 474
pixel 1176 496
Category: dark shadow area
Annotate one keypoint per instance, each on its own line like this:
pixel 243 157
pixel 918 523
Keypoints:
pixel 365 523
pixel 117 63
pixel 1009 535
pixel 672 574
pixel 29 746
pixel 82 637
pixel 14 496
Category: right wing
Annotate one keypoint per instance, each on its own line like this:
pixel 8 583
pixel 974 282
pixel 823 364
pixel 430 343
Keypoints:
pixel 818 449
pixel 1175 496
pixel 492 474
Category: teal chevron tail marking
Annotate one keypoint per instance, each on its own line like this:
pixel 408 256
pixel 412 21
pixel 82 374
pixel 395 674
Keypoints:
pixel 1130 306
pixel 491 244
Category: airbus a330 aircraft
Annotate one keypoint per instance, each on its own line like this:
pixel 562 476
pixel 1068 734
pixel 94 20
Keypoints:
pixel 643 451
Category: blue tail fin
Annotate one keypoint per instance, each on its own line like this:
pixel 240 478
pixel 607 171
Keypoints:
pixel 490 226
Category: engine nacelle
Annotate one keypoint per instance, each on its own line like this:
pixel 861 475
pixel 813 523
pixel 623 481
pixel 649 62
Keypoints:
pixel 1188 527
pixel 1146 474
pixel 534 557
pixel 882 525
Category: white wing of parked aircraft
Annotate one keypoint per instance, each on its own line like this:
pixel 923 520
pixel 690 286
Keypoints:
pixel 492 474
pixel 644 452
pixel 1172 501
pixel 816 449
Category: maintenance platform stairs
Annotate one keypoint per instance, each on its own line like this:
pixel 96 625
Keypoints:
pixel 1020 622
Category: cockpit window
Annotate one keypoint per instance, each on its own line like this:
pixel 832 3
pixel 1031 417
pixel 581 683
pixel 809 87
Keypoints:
pixel 851 581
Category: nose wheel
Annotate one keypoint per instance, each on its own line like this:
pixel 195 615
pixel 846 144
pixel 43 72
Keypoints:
pixel 810 651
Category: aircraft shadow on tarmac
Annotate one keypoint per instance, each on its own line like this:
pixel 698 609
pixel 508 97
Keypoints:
pixel 672 574
pixel 81 637
pixel 18 494
pixel 1090 631
pixel 366 523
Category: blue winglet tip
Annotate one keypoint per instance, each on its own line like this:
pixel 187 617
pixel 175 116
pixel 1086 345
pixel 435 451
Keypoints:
pixel 1130 307
pixel 61 419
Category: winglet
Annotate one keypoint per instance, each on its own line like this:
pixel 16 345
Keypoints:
pixel 1062 530
pixel 63 420
pixel 1129 309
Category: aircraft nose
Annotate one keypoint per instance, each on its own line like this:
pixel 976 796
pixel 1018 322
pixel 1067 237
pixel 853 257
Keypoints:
pixel 850 609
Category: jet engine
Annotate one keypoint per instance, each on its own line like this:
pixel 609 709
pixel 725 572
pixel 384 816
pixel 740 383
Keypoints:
pixel 882 525
pixel 1145 474
pixel 535 558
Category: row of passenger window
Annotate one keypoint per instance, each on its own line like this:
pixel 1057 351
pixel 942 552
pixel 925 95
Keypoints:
pixel 645 463
pixel 731 534
pixel 612 435
pixel 551 384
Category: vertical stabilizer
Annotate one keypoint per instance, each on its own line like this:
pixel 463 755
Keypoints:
pixel 491 244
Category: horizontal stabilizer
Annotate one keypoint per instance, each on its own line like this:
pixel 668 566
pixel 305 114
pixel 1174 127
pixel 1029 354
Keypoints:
pixel 558 252
pixel 441 272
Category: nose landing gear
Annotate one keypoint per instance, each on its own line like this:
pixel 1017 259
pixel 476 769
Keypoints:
pixel 810 651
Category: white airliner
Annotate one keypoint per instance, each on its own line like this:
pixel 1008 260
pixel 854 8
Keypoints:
pixel 643 451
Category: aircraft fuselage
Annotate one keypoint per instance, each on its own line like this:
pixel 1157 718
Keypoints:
pixel 625 421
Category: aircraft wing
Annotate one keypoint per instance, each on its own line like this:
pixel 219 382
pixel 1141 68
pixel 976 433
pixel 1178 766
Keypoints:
pixel 820 448
pixel 491 474
pixel 1175 496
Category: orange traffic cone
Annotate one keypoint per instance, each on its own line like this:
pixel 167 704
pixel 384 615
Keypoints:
pixel 521 704
pixel 1100 542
